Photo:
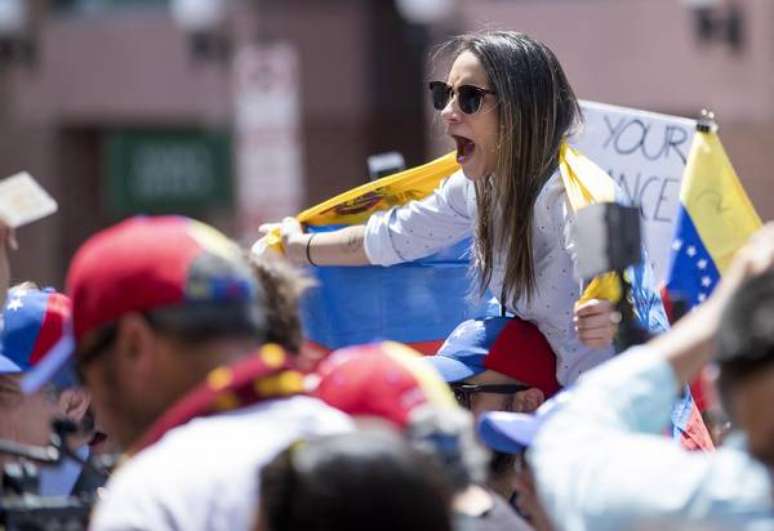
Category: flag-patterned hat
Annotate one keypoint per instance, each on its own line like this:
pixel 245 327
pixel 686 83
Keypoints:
pixel 34 321
pixel 152 262
pixel 37 336
pixel 510 346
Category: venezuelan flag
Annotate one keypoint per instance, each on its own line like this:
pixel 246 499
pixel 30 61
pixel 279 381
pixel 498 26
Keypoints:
pixel 714 220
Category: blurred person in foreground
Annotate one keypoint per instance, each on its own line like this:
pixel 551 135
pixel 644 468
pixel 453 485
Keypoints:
pixel 36 328
pixel 169 325
pixel 391 383
pixel 370 479
pixel 511 434
pixel 596 454
pixel 501 364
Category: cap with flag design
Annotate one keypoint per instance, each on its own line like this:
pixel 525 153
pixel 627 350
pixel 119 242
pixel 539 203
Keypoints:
pixel 510 346
pixel 36 334
pixel 387 380
pixel 152 262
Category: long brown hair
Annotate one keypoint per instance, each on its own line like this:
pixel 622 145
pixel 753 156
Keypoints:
pixel 536 109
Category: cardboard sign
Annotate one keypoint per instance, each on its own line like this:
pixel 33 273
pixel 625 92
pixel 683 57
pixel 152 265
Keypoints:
pixel 23 200
pixel 645 153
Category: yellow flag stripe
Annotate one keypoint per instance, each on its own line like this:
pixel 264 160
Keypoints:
pixel 356 205
pixel 585 184
pixel 715 200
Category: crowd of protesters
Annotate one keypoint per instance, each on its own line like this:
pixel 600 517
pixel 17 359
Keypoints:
pixel 220 429
pixel 176 349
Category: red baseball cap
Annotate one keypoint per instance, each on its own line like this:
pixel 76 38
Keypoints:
pixel 510 346
pixel 386 380
pixel 150 262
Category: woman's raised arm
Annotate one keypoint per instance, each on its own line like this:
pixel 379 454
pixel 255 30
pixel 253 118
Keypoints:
pixel 342 247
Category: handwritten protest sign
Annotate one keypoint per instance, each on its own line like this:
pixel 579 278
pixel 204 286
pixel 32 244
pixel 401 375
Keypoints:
pixel 645 153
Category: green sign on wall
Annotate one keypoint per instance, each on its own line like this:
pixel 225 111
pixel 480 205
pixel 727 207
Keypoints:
pixel 168 170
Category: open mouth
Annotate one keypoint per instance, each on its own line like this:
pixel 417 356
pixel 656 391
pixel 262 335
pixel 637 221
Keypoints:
pixel 465 148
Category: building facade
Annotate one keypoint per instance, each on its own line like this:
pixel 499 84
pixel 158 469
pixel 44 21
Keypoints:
pixel 114 82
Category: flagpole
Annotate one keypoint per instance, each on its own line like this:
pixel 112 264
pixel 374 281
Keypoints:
pixel 706 122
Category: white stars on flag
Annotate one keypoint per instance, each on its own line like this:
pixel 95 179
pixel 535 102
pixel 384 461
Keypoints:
pixel 467 329
pixel 698 275
pixel 15 305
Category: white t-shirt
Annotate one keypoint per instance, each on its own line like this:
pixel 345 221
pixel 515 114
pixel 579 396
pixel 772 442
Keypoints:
pixel 447 216
pixel 205 474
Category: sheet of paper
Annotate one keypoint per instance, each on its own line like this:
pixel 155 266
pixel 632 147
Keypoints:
pixel 23 200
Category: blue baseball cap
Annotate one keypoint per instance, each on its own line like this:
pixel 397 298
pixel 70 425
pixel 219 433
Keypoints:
pixel 508 345
pixel 512 433
pixel 36 338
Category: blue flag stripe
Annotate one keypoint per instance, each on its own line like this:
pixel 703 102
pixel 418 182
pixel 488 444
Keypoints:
pixel 693 274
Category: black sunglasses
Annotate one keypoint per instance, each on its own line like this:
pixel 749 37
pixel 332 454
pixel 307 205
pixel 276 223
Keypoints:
pixel 469 97
pixel 463 391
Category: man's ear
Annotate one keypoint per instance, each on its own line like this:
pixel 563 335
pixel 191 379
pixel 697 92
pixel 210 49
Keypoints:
pixel 135 346
pixel 534 398
pixel 74 403
pixel 528 401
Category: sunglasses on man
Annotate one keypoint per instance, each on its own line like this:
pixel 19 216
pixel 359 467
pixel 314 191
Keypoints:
pixel 463 391
pixel 469 97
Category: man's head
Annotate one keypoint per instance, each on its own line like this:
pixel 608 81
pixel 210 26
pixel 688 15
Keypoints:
pixel 158 303
pixel 498 364
pixel 509 435
pixel 368 479
pixel 35 322
pixel 745 343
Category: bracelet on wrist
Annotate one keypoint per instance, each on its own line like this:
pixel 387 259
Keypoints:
pixel 309 249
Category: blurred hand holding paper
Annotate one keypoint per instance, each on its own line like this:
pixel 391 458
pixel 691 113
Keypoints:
pixel 23 200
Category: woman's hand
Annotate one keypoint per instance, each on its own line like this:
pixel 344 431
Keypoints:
pixel 596 322
pixel 294 240
pixel 343 247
